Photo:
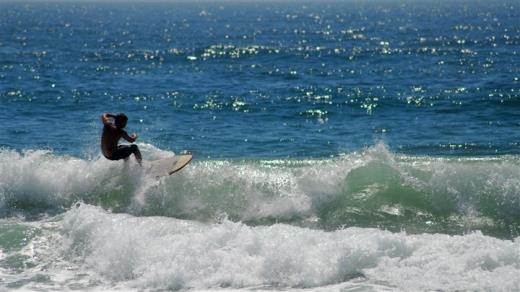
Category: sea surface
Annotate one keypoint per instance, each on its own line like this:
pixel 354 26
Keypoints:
pixel 339 145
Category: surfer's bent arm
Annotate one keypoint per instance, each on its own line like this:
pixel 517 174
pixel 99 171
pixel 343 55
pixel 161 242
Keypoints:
pixel 131 138
pixel 105 118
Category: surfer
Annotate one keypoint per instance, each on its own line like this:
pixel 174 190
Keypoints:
pixel 112 132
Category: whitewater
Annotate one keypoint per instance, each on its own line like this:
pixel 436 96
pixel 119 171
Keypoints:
pixel 372 220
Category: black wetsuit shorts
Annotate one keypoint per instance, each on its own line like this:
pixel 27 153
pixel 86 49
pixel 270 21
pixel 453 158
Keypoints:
pixel 123 151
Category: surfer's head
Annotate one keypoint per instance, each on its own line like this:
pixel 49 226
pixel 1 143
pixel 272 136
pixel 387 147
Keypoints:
pixel 121 120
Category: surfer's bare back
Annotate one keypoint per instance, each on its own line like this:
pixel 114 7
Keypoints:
pixel 112 132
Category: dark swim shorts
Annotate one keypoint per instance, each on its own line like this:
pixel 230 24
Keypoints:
pixel 123 151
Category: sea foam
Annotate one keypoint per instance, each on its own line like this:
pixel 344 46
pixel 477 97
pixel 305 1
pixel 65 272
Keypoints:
pixel 167 253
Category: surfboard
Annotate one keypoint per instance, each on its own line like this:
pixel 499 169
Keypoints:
pixel 166 166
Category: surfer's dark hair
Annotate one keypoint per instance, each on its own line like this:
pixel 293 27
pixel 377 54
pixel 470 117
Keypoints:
pixel 121 120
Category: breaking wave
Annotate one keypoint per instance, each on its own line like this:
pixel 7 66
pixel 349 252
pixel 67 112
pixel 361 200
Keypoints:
pixel 370 188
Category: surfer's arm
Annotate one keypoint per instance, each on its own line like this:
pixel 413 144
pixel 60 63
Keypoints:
pixel 131 138
pixel 105 118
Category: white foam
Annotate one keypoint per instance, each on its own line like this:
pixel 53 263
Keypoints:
pixel 166 253
pixel 41 179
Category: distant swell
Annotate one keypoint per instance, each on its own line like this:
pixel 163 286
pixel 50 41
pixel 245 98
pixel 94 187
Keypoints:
pixel 371 188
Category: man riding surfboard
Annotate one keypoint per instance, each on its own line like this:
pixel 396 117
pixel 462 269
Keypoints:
pixel 112 132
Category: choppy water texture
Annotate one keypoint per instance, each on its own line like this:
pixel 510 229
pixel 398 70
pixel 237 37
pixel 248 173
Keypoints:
pixel 367 145
pixel 264 79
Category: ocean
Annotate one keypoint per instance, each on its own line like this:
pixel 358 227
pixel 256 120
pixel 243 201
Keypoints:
pixel 338 145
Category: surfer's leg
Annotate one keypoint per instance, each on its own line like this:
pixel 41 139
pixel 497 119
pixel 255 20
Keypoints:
pixel 122 152
pixel 137 153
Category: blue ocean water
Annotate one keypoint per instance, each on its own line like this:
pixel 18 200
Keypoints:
pixel 225 79
pixel 367 145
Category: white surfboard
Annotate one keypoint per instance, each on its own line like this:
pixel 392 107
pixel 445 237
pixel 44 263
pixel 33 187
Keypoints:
pixel 166 166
